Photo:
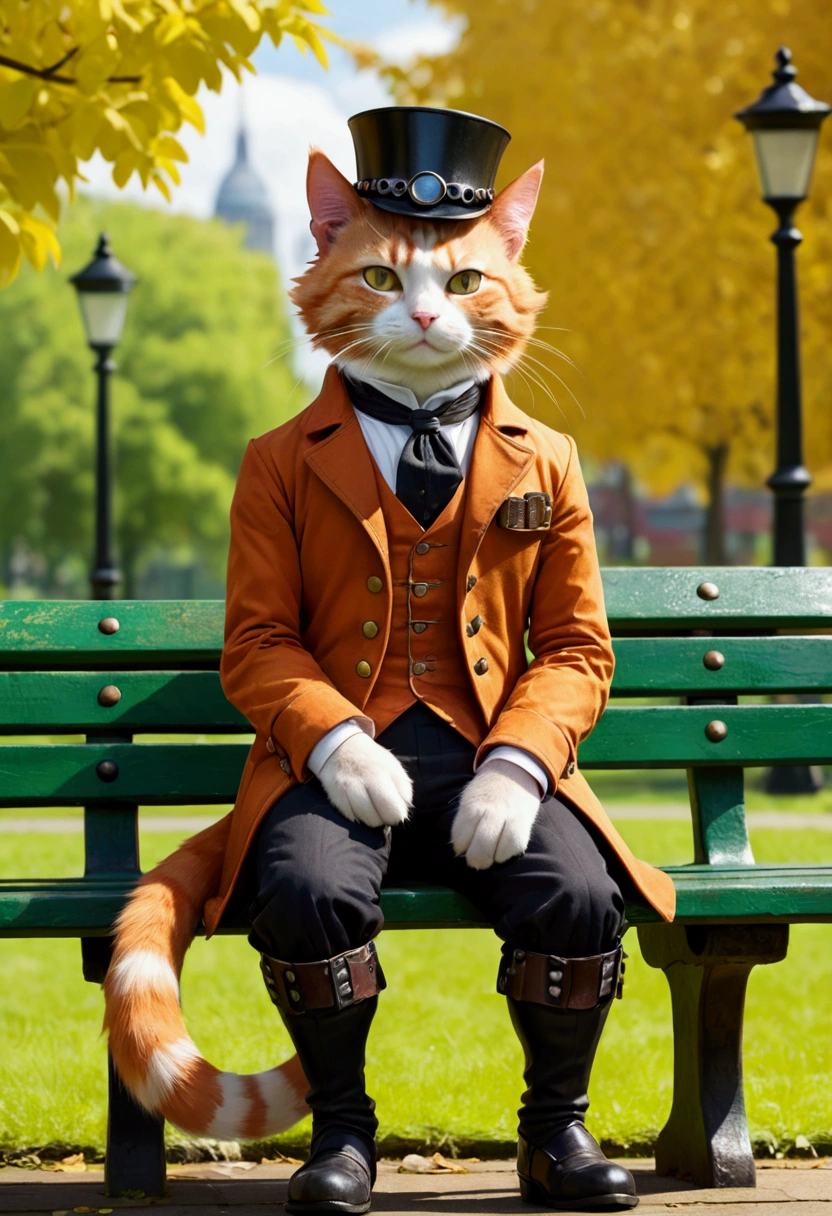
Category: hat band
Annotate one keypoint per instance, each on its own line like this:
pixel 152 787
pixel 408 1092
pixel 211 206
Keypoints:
pixel 426 189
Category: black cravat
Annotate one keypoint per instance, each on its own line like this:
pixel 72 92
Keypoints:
pixel 428 474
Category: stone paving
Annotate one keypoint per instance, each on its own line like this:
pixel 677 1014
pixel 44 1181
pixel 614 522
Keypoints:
pixel 795 1188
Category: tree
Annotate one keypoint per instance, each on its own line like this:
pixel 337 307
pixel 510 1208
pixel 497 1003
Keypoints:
pixel 199 373
pixel 649 234
pixel 116 77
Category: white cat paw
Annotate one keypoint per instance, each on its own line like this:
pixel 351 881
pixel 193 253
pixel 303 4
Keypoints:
pixel 367 784
pixel 496 815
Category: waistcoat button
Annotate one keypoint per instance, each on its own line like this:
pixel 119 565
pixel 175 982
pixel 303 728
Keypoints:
pixel 419 669
pixel 422 548
pixel 369 629
pixel 364 669
pixel 420 589
pixel 419 626
pixel 374 584
pixel 472 582
pixel 481 667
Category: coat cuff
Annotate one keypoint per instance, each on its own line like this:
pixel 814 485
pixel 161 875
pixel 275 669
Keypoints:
pixel 303 724
pixel 531 733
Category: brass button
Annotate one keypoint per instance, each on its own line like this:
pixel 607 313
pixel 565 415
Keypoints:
pixel 270 745
pixel 481 667
pixel 422 548
pixel 708 591
pixel 472 582
pixel 419 669
pixel 420 589
pixel 714 660
pixel 109 625
pixel 419 626
pixel 369 629
pixel 109 695
pixel 474 626
pixel 716 731
pixel 286 766
pixel 364 669
pixel 374 584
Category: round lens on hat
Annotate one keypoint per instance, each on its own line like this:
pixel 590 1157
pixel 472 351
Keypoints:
pixel 426 188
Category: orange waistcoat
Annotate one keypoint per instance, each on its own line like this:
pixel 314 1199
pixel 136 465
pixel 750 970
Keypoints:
pixel 423 660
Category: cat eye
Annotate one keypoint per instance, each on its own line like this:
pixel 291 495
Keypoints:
pixel 381 279
pixel 465 282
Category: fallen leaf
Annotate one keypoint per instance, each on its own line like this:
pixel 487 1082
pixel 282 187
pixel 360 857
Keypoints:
pixel 413 1163
pixel 84 1209
pixel 453 1167
pixel 73 1159
pixel 280 1159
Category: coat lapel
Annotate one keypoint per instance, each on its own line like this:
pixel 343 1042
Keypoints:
pixel 342 459
pixel 501 456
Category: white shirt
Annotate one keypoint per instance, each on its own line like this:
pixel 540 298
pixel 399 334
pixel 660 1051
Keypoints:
pixel 386 443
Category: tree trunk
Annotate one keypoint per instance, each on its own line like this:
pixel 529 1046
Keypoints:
pixel 715 548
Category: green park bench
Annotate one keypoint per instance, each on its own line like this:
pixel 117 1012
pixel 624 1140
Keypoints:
pixel 700 637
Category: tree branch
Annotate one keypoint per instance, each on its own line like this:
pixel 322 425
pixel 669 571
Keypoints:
pixel 48 74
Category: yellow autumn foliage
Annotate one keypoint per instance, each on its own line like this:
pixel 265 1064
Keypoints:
pixel 117 77
pixel 650 234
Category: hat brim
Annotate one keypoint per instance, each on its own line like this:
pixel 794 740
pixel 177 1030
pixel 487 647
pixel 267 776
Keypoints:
pixel 441 211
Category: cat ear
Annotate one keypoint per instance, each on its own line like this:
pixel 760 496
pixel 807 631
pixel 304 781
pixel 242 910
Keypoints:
pixel 513 209
pixel 332 200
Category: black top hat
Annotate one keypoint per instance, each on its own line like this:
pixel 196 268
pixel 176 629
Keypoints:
pixel 428 163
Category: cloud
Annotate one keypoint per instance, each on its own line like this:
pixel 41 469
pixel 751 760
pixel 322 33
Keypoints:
pixel 403 43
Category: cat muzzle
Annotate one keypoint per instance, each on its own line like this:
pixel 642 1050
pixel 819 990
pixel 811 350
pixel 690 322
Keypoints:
pixel 562 983
pixel 332 983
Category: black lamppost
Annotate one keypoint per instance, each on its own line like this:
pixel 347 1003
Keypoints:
pixel 785 123
pixel 103 288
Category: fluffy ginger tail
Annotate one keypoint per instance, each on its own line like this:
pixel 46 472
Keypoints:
pixel 155 1057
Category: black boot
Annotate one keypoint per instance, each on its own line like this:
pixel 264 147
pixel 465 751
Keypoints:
pixel 330 1042
pixel 559 1163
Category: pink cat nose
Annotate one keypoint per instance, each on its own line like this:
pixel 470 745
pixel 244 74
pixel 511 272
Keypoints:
pixel 424 318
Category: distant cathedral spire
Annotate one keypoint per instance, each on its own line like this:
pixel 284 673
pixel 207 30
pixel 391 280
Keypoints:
pixel 243 198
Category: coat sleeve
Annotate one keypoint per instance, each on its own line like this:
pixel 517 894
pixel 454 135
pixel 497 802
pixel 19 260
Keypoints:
pixel 265 670
pixel 562 694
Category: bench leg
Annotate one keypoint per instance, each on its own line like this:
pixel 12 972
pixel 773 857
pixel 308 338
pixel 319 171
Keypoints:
pixel 135 1159
pixel 705 1139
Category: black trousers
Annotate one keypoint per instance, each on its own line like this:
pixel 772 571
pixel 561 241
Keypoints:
pixel 317 877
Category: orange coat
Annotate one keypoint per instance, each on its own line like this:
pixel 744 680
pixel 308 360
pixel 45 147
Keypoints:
pixel 307 533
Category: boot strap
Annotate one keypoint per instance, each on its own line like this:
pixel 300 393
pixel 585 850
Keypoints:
pixel 563 983
pixel 332 983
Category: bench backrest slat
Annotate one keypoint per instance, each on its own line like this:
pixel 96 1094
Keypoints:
pixel 627 738
pixel 193 701
pixel 59 634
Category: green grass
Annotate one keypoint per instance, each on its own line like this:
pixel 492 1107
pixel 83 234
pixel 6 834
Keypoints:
pixel 443 1062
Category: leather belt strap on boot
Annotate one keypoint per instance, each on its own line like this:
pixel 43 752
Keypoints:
pixel 562 983
pixel 333 983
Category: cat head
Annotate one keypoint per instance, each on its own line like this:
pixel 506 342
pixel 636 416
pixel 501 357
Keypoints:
pixel 422 303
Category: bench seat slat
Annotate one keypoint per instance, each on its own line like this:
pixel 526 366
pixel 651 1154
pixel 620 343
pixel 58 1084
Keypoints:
pixel 193 701
pixel 73 907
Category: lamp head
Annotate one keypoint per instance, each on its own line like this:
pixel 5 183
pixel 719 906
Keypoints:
pixel 103 287
pixel 785 123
